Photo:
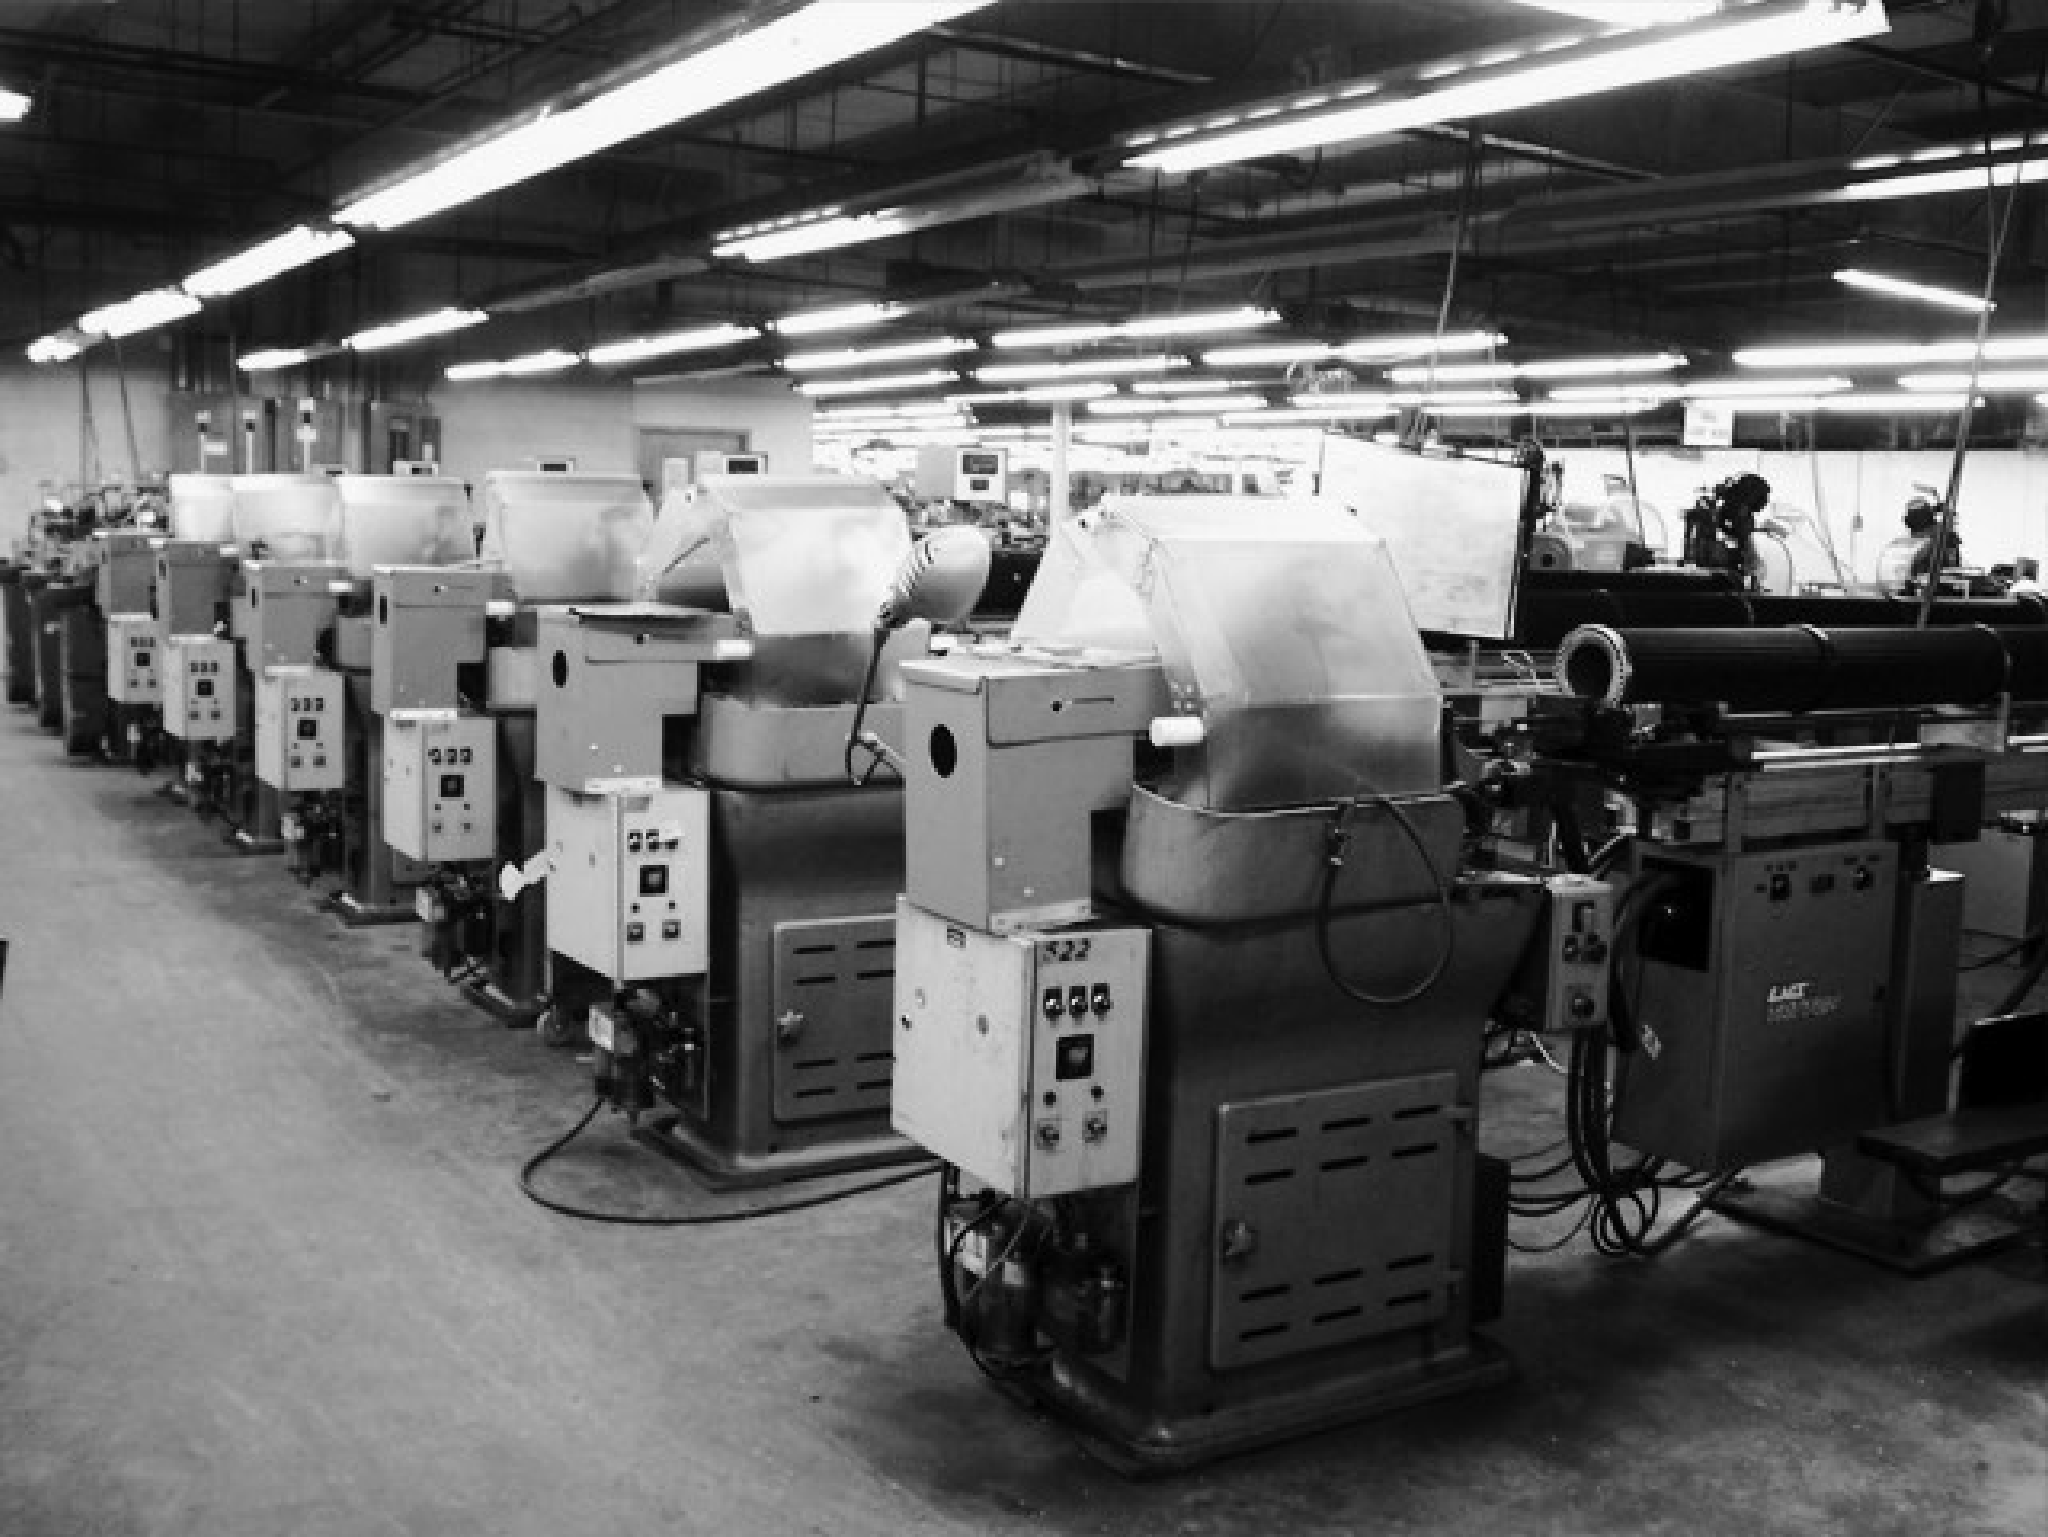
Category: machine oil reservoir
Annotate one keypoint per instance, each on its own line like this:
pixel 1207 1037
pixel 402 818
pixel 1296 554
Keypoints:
pixel 286 517
pixel 203 508
pixel 565 537
pixel 402 520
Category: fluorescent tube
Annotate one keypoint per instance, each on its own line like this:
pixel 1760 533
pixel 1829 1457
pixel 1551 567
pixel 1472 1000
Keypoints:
pixel 144 312
pixel 260 263
pixel 1900 288
pixel 397 333
pixel 861 357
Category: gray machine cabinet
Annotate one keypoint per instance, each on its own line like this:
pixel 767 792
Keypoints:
pixel 1761 992
pixel 426 622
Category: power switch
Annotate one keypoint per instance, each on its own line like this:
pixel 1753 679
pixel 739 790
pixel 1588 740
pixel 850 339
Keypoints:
pixel 1077 1000
pixel 1098 998
pixel 1052 1004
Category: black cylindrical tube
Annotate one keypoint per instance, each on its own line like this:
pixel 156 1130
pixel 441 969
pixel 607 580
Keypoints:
pixel 1791 669
pixel 1548 613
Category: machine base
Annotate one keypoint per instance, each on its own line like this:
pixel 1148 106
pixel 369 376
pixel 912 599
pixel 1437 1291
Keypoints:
pixel 1143 1447
pixel 1915 1251
pixel 720 1168
pixel 358 914
pixel 513 1013
pixel 242 841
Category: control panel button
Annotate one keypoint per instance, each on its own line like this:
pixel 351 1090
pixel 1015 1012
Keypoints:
pixel 1077 1000
pixel 1098 998
pixel 635 932
pixel 1052 1004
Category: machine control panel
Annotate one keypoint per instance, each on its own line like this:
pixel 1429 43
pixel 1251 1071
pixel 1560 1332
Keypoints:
pixel 1580 951
pixel 630 891
pixel 1020 1057
pixel 133 676
pixel 199 688
pixel 441 786
pixel 299 714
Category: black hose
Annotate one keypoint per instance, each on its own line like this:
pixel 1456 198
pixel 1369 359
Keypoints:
pixel 533 1165
pixel 1336 842
pixel 854 733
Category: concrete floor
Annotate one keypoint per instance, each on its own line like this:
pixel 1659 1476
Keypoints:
pixel 264 1270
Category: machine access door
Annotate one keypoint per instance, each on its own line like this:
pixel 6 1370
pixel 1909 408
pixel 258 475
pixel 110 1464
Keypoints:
pixel 1336 1217
pixel 834 982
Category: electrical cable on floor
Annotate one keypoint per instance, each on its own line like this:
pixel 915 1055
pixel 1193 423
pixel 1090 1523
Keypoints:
pixel 534 1164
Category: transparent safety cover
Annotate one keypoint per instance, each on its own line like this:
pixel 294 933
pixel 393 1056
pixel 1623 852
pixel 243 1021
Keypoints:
pixel 565 538
pixel 402 520
pixel 203 508
pixel 1281 623
pixel 286 517
pixel 792 554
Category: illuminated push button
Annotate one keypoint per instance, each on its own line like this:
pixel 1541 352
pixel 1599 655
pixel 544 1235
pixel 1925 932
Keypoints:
pixel 1098 1000
pixel 1077 1000
pixel 635 932
pixel 1051 1003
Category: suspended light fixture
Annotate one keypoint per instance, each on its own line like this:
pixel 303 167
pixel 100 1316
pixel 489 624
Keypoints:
pixel 552 361
pixel 843 317
pixel 793 45
pixel 398 333
pixel 144 312
pixel 296 247
pixel 1923 293
pixel 862 357
pixel 701 339
pixel 1208 322
pixel 1454 90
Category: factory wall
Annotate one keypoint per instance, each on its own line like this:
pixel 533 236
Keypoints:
pixel 1857 497
pixel 41 429
pixel 506 425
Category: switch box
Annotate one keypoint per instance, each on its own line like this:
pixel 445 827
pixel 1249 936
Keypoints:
pixel 441 786
pixel 629 885
pixel 299 714
pixel 1020 1057
pixel 1579 951
pixel 199 688
pixel 133 673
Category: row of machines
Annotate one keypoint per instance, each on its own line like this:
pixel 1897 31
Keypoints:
pixel 1175 921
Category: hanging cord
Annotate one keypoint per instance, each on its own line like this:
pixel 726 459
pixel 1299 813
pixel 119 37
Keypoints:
pixel 533 1165
pixel 1995 229
pixel 857 736
pixel 1468 190
pixel 1336 844
pixel 127 414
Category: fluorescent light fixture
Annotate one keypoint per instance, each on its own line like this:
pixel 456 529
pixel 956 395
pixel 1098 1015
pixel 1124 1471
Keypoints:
pixel 1601 368
pixel 398 333
pixel 1609 405
pixel 296 247
pixel 274 359
pixel 1337 407
pixel 552 361
pixel 1889 403
pixel 861 357
pixel 1187 386
pixel 1276 354
pixel 1036 394
pixel 811 235
pixel 14 106
pixel 825 388
pixel 701 339
pixel 1924 293
pixel 1208 322
pixel 1450 373
pixel 1432 399
pixel 1663 389
pixel 1364 109
pixel 1771 405
pixel 1932 183
pixel 793 45
pixel 1192 405
pixel 1086 368
pixel 896 408
pixel 144 312
pixel 1735 389
pixel 2010 349
pixel 1368 349
pixel 2021 379
pixel 1628 13
pixel 843 317
pixel 53 349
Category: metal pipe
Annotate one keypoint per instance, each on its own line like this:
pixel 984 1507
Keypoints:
pixel 1800 668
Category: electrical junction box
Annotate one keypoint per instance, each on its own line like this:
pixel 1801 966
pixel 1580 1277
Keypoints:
pixel 1758 986
pixel 299 714
pixel 441 786
pixel 133 676
pixel 947 472
pixel 199 688
pixel 1020 1057
pixel 1578 951
pixel 629 881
